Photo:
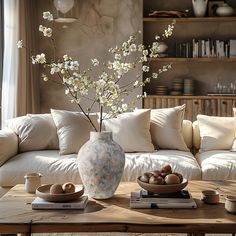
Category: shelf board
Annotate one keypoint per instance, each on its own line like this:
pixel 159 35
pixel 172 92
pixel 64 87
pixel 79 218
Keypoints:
pixel 190 19
pixel 192 97
pixel 180 59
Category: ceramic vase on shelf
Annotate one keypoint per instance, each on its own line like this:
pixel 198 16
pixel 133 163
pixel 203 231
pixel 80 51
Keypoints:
pixel 224 10
pixel 101 164
pixel 199 7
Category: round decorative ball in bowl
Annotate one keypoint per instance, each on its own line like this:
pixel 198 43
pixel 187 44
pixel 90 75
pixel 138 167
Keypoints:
pixel 162 188
pixel 162 181
pixel 55 193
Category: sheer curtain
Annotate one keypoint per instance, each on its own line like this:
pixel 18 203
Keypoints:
pixel 10 60
pixel 20 85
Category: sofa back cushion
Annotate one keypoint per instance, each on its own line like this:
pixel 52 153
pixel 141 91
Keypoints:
pixel 73 129
pixel 196 135
pixel 217 133
pixel 35 132
pixel 166 128
pixel 131 130
pixel 187 131
pixel 234 143
pixel 8 145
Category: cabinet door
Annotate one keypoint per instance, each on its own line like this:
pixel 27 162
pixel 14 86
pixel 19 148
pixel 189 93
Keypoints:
pixel 225 107
pixel 198 108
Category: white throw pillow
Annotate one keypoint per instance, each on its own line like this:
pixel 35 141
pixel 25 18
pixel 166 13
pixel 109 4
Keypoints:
pixel 217 133
pixel 8 145
pixel 35 131
pixel 131 130
pixel 73 129
pixel 166 128
pixel 234 143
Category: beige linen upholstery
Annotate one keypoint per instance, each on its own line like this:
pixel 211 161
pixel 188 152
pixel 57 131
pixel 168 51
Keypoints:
pixel 183 162
pixel 196 135
pixel 217 133
pixel 166 128
pixel 35 131
pixel 8 145
pixel 131 130
pixel 60 169
pixel 234 143
pixel 73 129
pixel 217 164
pixel 187 131
pixel 53 167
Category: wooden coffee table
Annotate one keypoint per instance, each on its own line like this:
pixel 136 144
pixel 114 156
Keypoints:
pixel 115 215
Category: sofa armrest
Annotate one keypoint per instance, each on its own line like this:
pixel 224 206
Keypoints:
pixel 8 145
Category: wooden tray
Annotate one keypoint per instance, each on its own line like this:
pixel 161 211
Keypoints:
pixel 43 192
pixel 162 189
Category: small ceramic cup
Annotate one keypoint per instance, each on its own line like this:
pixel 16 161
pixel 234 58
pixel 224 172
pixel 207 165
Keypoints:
pixel 210 196
pixel 32 182
pixel 230 204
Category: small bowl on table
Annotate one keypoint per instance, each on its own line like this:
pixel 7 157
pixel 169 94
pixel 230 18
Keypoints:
pixel 44 192
pixel 164 188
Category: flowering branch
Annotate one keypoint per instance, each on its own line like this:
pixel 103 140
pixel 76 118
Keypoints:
pixel 104 88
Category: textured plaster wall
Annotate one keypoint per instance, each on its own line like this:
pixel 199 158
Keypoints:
pixel 101 25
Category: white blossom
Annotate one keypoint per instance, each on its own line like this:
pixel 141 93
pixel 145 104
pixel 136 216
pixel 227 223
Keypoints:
pixel 117 56
pixel 44 77
pixel 39 59
pixel 47 16
pixel 154 75
pixel 20 44
pixel 47 32
pixel 145 68
pixel 95 62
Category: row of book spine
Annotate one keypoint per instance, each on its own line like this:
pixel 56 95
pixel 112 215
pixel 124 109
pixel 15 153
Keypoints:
pixel 204 48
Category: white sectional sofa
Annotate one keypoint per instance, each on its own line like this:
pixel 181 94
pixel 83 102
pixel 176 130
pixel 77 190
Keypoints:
pixel 206 165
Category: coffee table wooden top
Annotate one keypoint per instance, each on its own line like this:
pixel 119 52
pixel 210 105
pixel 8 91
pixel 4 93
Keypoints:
pixel 16 215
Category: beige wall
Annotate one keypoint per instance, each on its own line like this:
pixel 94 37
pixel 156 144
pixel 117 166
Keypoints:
pixel 101 25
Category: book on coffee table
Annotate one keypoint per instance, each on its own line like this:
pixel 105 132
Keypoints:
pixel 181 196
pixel 170 201
pixel 79 203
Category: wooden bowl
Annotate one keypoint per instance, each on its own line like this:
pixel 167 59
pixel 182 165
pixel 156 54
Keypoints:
pixel 162 189
pixel 44 192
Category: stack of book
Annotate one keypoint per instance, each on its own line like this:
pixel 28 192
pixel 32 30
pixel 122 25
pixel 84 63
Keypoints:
pixel 200 48
pixel 77 204
pixel 142 199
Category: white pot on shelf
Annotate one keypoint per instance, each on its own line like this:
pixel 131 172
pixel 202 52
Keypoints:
pixel 162 47
pixel 224 10
pixel 199 7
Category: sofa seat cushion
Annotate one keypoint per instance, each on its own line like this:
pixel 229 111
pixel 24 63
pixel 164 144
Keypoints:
pixel 183 162
pixel 217 164
pixel 53 167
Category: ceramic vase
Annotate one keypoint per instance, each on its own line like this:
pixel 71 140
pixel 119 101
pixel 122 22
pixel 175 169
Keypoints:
pixel 101 164
pixel 225 10
pixel 199 7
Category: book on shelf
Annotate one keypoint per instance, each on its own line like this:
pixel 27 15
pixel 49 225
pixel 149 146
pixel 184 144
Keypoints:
pixel 177 200
pixel 79 203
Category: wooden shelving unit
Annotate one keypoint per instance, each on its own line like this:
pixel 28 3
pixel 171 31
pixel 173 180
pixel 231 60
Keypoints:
pixel 190 19
pixel 198 59
pixel 209 105
pixel 206 72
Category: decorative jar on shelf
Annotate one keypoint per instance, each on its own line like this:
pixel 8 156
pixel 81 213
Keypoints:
pixel 162 47
pixel 199 7
pixel 101 164
pixel 224 10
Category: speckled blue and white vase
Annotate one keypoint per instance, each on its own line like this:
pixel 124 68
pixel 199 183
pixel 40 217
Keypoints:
pixel 101 164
